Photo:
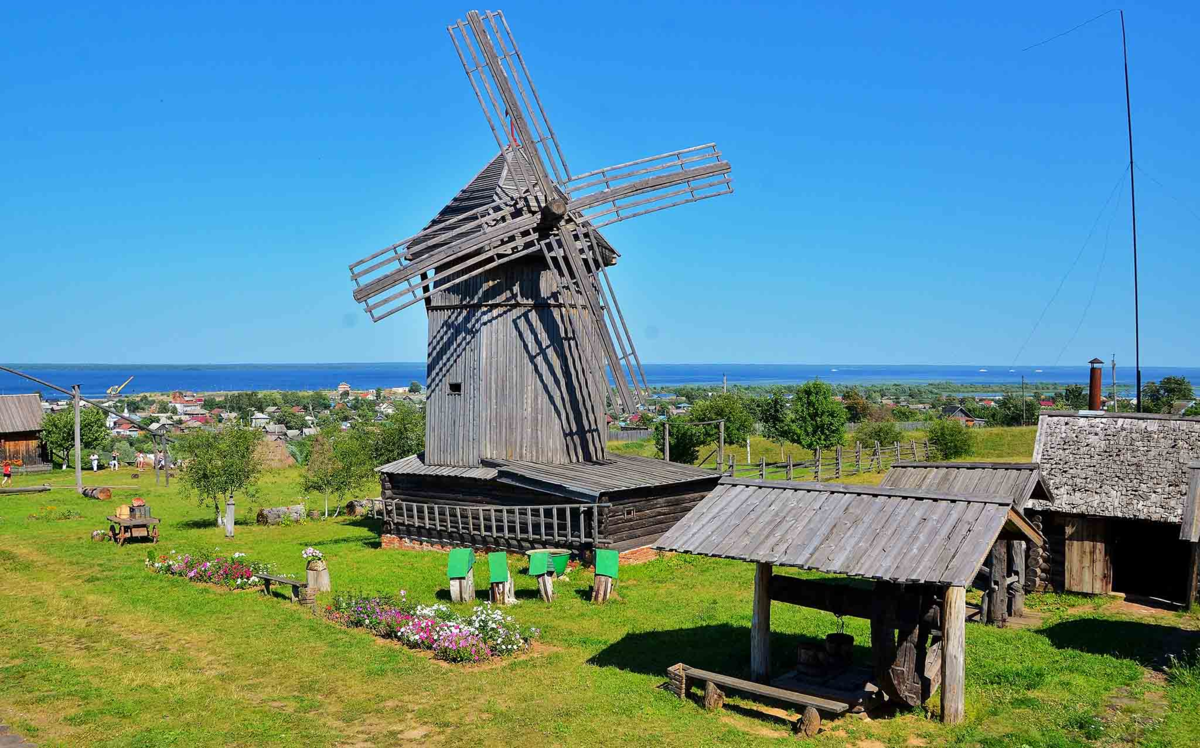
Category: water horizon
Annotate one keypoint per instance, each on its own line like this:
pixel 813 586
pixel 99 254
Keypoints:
pixel 96 378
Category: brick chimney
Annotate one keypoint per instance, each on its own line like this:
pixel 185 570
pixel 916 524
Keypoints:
pixel 1094 384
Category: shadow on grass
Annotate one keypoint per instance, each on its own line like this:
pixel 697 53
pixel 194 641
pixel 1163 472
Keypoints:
pixel 721 648
pixel 1147 643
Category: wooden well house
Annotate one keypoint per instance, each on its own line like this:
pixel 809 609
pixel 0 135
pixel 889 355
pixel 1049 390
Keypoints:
pixel 1124 515
pixel 902 557
pixel 21 431
pixel 1014 567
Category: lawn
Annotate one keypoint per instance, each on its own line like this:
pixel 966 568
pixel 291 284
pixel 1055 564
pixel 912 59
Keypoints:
pixel 99 651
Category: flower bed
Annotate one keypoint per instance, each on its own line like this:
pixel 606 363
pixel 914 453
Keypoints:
pixel 486 633
pixel 234 572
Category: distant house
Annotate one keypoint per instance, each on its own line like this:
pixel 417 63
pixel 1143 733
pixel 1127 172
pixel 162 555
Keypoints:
pixel 297 409
pixel 272 410
pixel 21 429
pixel 1126 514
pixel 310 431
pixel 276 431
pixel 1046 403
pixel 343 387
pixel 958 413
pixel 259 420
pixel 126 428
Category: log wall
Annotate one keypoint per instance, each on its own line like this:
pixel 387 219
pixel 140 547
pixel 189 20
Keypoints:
pixel 24 446
pixel 650 511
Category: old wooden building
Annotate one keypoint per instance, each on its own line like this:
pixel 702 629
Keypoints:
pixel 1123 485
pixel 912 552
pixel 21 430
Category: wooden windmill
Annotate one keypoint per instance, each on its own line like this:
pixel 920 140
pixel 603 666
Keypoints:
pixel 525 332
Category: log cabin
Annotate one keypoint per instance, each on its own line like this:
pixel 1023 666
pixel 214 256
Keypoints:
pixel 1124 511
pixel 21 431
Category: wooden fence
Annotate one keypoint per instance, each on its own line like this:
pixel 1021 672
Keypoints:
pixel 629 435
pixel 568 525
pixel 902 425
pixel 829 464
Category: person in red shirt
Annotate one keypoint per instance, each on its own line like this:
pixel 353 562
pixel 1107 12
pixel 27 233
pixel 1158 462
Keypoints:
pixel 7 474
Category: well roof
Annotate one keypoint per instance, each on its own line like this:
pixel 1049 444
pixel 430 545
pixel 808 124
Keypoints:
pixel 1020 481
pixel 892 534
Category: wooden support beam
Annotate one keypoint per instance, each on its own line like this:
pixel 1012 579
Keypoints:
pixel 997 612
pixel 1193 576
pixel 760 625
pixel 1016 561
pixel 849 599
pixel 954 618
pixel 78 445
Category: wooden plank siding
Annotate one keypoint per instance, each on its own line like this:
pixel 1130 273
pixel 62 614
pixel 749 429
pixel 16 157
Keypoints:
pixel 26 447
pixel 1088 563
pixel 528 389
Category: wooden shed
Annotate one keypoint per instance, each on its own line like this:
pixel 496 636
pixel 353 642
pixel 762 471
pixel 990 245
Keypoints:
pixel 917 548
pixel 622 503
pixel 1121 493
pixel 1013 568
pixel 21 430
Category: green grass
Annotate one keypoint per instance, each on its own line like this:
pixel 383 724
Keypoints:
pixel 98 651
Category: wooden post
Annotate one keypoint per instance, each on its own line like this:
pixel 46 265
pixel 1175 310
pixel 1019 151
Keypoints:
pixel 877 458
pixel 747 450
pixel 898 458
pixel 760 625
pixel 998 596
pixel 166 463
pixel 857 457
pixel 730 466
pixel 954 618
pixel 927 449
pixel 762 468
pixel 1016 560
pixel 1193 573
pixel 229 508
pixel 817 472
pixel 721 445
pixel 666 441
pixel 839 463
pixel 913 442
pixel 789 467
pixel 78 445
pixel 317 575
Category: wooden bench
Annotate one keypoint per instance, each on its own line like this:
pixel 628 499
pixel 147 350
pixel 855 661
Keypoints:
pixel 682 675
pixel 299 589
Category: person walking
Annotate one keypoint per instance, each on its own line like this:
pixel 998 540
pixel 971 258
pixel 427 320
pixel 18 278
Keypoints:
pixel 95 462
pixel 115 463
pixel 139 461
pixel 7 474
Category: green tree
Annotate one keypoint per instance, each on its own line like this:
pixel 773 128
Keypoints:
pixel 857 407
pixel 215 464
pixel 951 438
pixel 401 434
pixel 286 417
pixel 340 462
pixel 686 439
pixel 414 387
pixel 819 419
pixel 730 406
pixel 1157 397
pixel 884 432
pixel 58 431
pixel 775 415
pixel 1075 397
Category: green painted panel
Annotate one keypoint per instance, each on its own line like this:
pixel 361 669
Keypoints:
pixel 539 564
pixel 498 567
pixel 606 563
pixel 462 560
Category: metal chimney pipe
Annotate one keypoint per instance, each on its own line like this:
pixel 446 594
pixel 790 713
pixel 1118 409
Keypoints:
pixel 1094 384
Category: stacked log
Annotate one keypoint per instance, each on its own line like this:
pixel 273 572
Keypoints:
pixel 276 514
pixel 1037 566
pixel 677 680
pixel 101 493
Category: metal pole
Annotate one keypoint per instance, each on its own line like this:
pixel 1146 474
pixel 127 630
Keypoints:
pixel 78 446
pixel 1137 345
pixel 1116 407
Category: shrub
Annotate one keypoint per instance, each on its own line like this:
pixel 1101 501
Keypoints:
pixel 951 439
pixel 884 432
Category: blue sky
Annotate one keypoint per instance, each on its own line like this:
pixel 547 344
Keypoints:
pixel 189 184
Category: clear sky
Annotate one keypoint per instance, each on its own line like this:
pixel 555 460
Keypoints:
pixel 186 185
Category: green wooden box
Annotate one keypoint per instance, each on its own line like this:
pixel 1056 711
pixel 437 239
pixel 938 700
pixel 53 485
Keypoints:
pixel 498 567
pixel 606 563
pixel 539 564
pixel 462 560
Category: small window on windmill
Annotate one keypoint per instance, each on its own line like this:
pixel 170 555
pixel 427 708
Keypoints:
pixel 456 388
pixel 628 513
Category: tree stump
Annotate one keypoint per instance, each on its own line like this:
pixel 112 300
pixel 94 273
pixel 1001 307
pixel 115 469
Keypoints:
pixel 601 589
pixel 546 587
pixel 318 577
pixel 714 698
pixel 503 593
pixel 462 590
pixel 808 724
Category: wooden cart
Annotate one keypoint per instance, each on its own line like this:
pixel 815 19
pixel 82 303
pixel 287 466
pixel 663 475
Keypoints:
pixel 124 528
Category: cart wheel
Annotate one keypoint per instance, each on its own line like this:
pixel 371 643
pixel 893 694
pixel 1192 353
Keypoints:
pixel 112 531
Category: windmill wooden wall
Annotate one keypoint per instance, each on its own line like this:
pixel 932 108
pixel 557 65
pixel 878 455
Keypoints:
pixel 507 377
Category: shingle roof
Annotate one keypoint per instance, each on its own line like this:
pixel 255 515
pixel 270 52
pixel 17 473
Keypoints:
pixel 415 465
pixel 20 413
pixel 894 534
pixel 1018 481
